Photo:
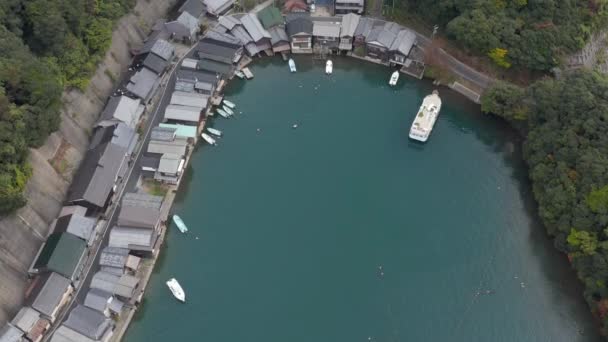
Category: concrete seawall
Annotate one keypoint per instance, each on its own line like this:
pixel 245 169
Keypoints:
pixel 55 163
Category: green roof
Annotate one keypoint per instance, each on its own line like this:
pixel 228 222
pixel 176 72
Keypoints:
pixel 61 253
pixel 270 16
pixel 183 131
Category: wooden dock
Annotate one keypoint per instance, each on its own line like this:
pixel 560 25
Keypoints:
pixel 247 73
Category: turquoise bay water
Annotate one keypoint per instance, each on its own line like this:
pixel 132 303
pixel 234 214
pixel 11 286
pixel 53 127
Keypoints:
pixel 293 224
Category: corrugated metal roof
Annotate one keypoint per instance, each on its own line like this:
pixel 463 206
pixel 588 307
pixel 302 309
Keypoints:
pixel 326 29
pixel 254 27
pixel 177 146
pixel 349 25
pixel 48 292
pixel 184 86
pixel 88 322
pixel 198 101
pixel 113 257
pixel 182 113
pixel 139 217
pixel 162 134
pixel 132 238
pixel 142 200
pixel 404 42
pixel 169 163
pixel 113 270
pixel 181 131
pixel 26 318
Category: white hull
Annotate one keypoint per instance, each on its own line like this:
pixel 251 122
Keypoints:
pixel 394 78
pixel 329 67
pixel 425 118
pixel 229 104
pixel 223 113
pixel 208 138
pixel 214 131
pixel 239 74
pixel 176 290
pixel 292 65
pixel 228 110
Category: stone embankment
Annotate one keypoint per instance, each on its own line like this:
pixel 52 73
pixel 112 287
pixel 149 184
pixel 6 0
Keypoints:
pixel 55 163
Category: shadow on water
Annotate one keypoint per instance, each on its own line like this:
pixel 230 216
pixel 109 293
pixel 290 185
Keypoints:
pixel 184 187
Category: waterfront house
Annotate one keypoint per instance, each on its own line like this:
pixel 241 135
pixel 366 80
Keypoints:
pixel 122 109
pixel 175 146
pixel 342 7
pixel 217 8
pixel 163 134
pixel 98 300
pixel 155 64
pixel 233 26
pixel 141 240
pixel 219 51
pixel 260 36
pixel 144 84
pixel 326 34
pixel 139 217
pixel 364 27
pixel 195 8
pixel 204 88
pixel 113 259
pixel 217 68
pixel 185 114
pixel 159 47
pixel 184 29
pixel 279 39
pixel 104 164
pixel 62 253
pixel 380 39
pixel 193 76
pixel 73 209
pixel 120 285
pixel 142 200
pixel 347 31
pixel 170 168
pixel 90 323
pixel 189 63
pixel 77 225
pixel 48 293
pixel 401 47
pixel 31 323
pixel 10 333
pixel 299 31
pixel 181 98
pixel 270 16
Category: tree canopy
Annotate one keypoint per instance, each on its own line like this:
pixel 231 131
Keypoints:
pixel 566 148
pixel 45 45
pixel 530 33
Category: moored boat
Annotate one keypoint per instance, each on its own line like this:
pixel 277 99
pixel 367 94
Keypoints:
pixel 208 139
pixel 394 78
pixel 222 112
pixel 329 67
pixel 292 65
pixel 239 74
pixel 426 117
pixel 214 131
pixel 176 290
pixel 228 103
pixel 228 110
pixel 180 224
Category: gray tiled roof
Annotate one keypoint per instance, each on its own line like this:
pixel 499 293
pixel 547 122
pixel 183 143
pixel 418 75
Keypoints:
pixel 215 67
pixel 114 257
pixel 142 200
pixel 48 292
pixel 80 226
pixel 10 333
pixel 278 35
pixel 143 83
pixel 155 63
pixel 114 270
pixel 298 26
pixel 133 238
pixel 138 217
pixel 88 322
pixel 216 7
pixel 229 21
pixel 116 305
pixel 177 146
pixel 126 286
pixel 163 49
pixel 326 29
pixel 26 318
pixel 382 35
pixel 65 334
pixel 122 108
pixel 218 51
pixel 349 25
pixel 97 299
pixel 254 27
pixel 223 36
pixel 194 7
pixel 404 42
pixel 169 163
pixel 104 281
pixel 181 113
pixel 364 26
pixel 163 134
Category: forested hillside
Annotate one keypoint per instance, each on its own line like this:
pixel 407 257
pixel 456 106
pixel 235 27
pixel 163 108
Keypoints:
pixel 533 34
pixel 566 148
pixel 45 45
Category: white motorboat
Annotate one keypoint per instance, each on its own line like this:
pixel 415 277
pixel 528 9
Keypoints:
pixel 239 74
pixel 426 117
pixel 180 224
pixel 208 139
pixel 229 104
pixel 394 79
pixel 329 67
pixel 228 110
pixel 292 65
pixel 176 290
pixel 214 131
pixel 223 113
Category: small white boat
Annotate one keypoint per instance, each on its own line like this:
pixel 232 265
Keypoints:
pixel 229 104
pixel 292 65
pixel 214 131
pixel 208 139
pixel 180 224
pixel 228 110
pixel 176 290
pixel 223 112
pixel 329 67
pixel 239 74
pixel 394 79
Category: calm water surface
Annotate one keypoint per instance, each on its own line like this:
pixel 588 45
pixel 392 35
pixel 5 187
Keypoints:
pixel 293 224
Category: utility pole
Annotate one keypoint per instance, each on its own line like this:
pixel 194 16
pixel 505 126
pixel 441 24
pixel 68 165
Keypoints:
pixel 435 28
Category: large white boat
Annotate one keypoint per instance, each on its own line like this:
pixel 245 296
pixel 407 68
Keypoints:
pixel 176 290
pixel 292 65
pixel 228 110
pixel 426 117
pixel 180 224
pixel 214 131
pixel 208 139
pixel 394 79
pixel 223 113
pixel 228 103
pixel 329 67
